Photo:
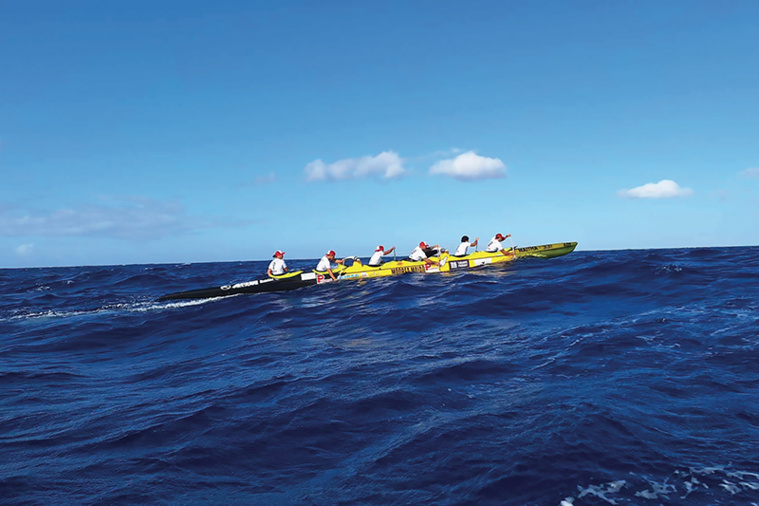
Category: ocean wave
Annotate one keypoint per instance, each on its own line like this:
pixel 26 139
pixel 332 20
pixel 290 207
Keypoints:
pixel 601 377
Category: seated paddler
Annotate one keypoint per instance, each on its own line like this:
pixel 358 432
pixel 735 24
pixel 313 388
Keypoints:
pixel 495 244
pixel 379 252
pixel 325 264
pixel 463 248
pixel 277 267
pixel 419 254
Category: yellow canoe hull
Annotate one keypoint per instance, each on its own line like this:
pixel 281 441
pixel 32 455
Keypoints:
pixel 448 263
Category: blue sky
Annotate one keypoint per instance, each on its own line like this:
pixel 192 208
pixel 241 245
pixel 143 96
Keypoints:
pixel 190 131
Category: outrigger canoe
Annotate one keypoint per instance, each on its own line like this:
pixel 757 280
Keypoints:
pixel 446 263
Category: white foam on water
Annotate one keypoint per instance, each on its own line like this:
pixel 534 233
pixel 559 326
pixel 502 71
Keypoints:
pixel 730 487
pixel 155 306
pixel 601 491
pixel 657 489
pixel 48 314
pixel 690 481
pixel 139 307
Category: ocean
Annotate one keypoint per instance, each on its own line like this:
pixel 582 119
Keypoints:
pixel 609 377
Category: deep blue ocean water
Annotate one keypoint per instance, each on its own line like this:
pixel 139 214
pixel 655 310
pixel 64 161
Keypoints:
pixel 624 377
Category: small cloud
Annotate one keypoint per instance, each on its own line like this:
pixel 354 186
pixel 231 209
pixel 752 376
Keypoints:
pixel 122 218
pixel 752 173
pixel 387 165
pixel 470 166
pixel 437 155
pixel 259 180
pixel 24 250
pixel 269 178
pixel 664 189
pixel 448 152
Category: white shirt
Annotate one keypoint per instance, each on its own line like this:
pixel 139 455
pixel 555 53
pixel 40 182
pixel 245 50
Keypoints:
pixel 461 250
pixel 324 264
pixel 417 255
pixel 277 266
pixel 376 258
pixel 494 245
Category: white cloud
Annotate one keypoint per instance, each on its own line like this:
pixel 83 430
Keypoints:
pixel 269 178
pixel 25 250
pixel 448 152
pixel 387 165
pixel 664 189
pixel 752 173
pixel 122 218
pixel 470 166
pixel 260 180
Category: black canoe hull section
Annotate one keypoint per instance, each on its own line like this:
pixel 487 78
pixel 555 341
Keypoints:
pixel 257 286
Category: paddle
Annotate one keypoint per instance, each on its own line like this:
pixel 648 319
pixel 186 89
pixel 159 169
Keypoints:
pixel 513 249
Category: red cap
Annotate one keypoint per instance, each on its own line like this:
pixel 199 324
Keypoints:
pixel 380 248
pixel 330 253
pixel 500 237
pixel 278 253
pixel 422 244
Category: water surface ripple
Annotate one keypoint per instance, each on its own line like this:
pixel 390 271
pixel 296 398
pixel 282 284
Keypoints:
pixel 625 377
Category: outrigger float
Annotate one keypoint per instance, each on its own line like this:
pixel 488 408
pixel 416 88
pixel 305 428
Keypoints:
pixel 446 263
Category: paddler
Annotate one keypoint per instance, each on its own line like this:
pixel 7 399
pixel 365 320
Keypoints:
pixel 419 254
pixel 277 267
pixel 464 246
pixel 495 244
pixel 325 264
pixel 379 252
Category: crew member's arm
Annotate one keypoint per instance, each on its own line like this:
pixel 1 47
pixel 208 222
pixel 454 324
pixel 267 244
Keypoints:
pixel 329 269
pixel 504 251
pixel 389 251
pixel 473 244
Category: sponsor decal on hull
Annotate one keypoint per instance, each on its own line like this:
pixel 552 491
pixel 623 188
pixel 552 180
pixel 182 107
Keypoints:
pixel 545 247
pixel 245 284
pixel 459 264
pixel 355 275
pixel 408 269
